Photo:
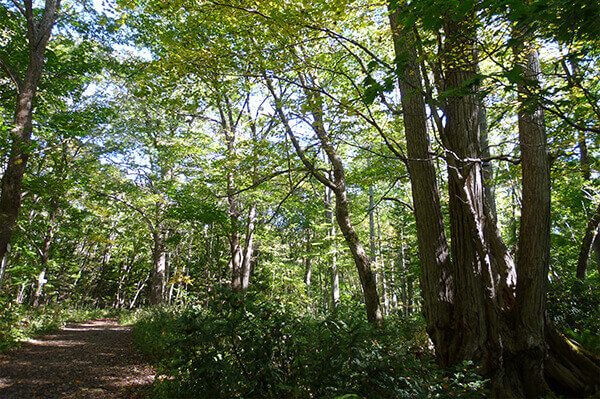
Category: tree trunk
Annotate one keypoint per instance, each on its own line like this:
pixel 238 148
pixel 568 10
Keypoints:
pixel 159 271
pixel 410 296
pixel 394 286
pixel 248 248
pixel 235 248
pixel 476 324
pixel 41 281
pixel 3 263
pixel 596 249
pixel 45 254
pixel 334 275
pixel 483 320
pixel 384 288
pixel 140 288
pixel 373 256
pixel 235 263
pixel 533 255
pixel 584 157
pixel 307 263
pixel 385 299
pixel 228 128
pixel 21 294
pixel 362 262
pixel 587 245
pixel 488 170
pixel 436 278
pixel 338 186
pixel 10 197
pixel 124 277
pixel 342 213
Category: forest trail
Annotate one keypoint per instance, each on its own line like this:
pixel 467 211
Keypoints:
pixel 95 359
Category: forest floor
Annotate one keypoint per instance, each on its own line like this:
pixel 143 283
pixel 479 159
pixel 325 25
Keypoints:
pixel 95 359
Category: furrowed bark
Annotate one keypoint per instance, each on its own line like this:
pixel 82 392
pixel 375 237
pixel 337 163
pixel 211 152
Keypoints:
pixel 533 256
pixel 436 277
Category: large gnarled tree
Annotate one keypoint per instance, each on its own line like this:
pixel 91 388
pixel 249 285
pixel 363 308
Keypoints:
pixel 473 307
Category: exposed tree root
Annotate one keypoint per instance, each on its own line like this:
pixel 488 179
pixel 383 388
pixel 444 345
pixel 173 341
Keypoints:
pixel 570 369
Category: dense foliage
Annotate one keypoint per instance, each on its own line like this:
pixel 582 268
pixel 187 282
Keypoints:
pixel 258 349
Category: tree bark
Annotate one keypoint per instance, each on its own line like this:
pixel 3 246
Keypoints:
pixel 45 254
pixel 483 320
pixel 307 263
pixel 476 317
pixel 488 170
pixel 159 271
pixel 373 254
pixel 436 276
pixel 334 275
pixel 236 262
pixel 38 35
pixel 41 281
pixel 248 248
pixel 587 245
pixel 533 255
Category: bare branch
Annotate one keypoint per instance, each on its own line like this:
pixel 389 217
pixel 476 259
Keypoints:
pixel 313 170
pixel 406 204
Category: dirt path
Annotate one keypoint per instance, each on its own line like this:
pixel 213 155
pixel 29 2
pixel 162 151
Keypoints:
pixel 83 360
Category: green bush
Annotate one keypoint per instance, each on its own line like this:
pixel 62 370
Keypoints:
pixel 259 349
pixel 574 306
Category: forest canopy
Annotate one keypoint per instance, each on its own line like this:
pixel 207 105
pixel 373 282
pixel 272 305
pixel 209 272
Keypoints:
pixel 423 175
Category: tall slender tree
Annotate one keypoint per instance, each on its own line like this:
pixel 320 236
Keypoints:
pixel 39 29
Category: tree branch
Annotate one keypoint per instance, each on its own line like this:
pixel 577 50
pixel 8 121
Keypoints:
pixel 11 74
pixel 261 180
pixel 313 170
pixel 406 204
pixel 131 206
pixel 20 8
pixel 294 187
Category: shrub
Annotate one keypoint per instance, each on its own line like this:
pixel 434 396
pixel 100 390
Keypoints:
pixel 258 349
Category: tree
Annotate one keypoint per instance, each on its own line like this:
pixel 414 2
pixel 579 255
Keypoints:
pixel 476 286
pixel 591 241
pixel 38 34
pixel 338 186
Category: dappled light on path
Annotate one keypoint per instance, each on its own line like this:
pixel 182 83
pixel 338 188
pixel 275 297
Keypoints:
pixel 83 360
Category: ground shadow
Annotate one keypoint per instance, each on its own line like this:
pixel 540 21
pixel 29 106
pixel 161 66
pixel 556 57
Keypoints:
pixel 83 360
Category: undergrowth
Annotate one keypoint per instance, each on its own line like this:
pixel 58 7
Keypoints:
pixel 261 349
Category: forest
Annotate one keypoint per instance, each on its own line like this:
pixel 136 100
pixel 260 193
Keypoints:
pixel 310 198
